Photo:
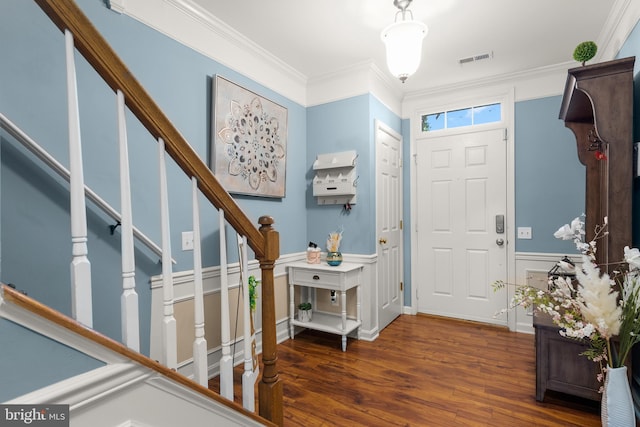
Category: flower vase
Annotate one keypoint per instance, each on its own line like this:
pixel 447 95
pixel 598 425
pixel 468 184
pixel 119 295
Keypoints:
pixel 617 405
pixel 305 315
pixel 334 258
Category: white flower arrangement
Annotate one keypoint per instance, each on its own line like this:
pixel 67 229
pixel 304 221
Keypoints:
pixel 602 309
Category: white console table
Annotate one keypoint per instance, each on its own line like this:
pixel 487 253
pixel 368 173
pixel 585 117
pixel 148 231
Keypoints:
pixel 340 278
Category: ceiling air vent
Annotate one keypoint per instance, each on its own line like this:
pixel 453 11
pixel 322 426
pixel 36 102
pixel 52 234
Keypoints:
pixel 475 58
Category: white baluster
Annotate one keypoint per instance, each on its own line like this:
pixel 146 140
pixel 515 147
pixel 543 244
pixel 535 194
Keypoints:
pixel 200 364
pixel 129 298
pixel 169 331
pixel 249 377
pixel 226 362
pixel 81 303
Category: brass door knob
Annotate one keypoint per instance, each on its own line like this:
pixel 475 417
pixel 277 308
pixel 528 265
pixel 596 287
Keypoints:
pixel 382 241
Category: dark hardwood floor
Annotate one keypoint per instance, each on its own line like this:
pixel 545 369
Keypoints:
pixel 421 371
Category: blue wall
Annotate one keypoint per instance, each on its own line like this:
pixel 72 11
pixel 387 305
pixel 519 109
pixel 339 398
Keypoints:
pixel 340 126
pixel 20 349
pixel 334 127
pixel 549 178
pixel 35 242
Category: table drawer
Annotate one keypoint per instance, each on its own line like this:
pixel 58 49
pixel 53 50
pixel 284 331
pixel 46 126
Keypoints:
pixel 316 278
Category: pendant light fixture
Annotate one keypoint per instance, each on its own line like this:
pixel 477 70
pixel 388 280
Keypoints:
pixel 403 41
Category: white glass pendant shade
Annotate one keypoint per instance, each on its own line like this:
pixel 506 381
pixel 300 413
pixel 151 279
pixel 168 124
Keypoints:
pixel 403 41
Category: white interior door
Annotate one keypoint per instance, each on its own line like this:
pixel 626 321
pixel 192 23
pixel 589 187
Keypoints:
pixel 389 223
pixel 461 196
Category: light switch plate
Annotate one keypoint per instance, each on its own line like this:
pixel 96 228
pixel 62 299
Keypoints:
pixel 187 240
pixel 524 232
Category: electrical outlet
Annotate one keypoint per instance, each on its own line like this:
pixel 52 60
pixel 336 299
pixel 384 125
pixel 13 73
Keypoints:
pixel 524 232
pixel 187 240
pixel 334 298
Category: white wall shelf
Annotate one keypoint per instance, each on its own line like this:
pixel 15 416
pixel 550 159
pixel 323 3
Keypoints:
pixel 335 180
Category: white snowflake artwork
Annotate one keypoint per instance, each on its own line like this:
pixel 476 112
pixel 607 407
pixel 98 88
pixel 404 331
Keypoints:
pixel 250 136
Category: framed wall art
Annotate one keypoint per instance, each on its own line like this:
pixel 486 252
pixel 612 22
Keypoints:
pixel 248 152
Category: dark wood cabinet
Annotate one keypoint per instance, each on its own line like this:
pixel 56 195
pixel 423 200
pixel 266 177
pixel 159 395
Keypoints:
pixel 559 366
pixel 598 107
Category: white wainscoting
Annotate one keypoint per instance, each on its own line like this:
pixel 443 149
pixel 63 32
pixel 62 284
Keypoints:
pixel 183 291
pixel 531 269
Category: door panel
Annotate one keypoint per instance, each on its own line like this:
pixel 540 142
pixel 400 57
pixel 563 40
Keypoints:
pixel 461 187
pixel 388 223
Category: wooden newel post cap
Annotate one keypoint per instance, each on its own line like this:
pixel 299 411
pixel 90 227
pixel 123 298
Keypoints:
pixel 266 221
pixel 271 236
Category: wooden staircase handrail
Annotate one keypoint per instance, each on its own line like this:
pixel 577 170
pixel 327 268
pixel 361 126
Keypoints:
pixel 264 242
pixel 23 301
pixel 90 43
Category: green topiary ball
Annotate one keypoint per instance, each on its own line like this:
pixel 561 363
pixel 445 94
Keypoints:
pixel 585 51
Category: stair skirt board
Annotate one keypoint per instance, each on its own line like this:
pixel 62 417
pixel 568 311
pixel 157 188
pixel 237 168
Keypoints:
pixel 129 394
pixel 121 391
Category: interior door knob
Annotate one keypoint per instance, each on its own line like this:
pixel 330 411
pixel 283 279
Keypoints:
pixel 382 241
pixel 499 242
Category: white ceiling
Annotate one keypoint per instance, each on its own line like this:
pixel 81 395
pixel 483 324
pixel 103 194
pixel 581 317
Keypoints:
pixel 321 37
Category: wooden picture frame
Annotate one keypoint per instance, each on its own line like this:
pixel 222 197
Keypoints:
pixel 249 141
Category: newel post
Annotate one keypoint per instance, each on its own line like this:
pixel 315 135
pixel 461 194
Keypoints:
pixel 270 387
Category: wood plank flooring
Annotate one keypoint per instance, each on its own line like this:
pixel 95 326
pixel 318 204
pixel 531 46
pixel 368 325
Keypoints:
pixel 420 371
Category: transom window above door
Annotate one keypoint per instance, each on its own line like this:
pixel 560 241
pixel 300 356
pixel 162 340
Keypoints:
pixel 481 114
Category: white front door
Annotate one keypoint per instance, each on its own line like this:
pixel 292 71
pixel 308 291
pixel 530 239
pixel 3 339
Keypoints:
pixel 461 204
pixel 388 223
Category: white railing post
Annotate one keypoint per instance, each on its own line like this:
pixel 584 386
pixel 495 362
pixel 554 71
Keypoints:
pixel 226 361
pixel 250 372
pixel 81 302
pixel 200 363
pixel 129 298
pixel 169 328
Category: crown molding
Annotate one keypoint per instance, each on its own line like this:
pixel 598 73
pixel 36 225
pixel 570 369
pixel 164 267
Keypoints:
pixel 530 84
pixel 116 5
pixel 196 28
pixel 623 18
pixel 190 24
pixel 384 88
pixel 359 79
pixel 549 81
